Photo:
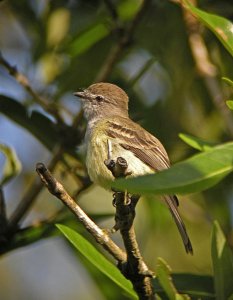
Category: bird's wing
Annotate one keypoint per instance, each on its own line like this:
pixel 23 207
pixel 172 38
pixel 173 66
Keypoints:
pixel 136 139
pixel 148 149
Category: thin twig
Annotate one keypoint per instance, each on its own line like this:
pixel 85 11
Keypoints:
pixel 24 81
pixel 206 69
pixel 35 188
pixel 122 43
pixel 100 235
pixel 30 196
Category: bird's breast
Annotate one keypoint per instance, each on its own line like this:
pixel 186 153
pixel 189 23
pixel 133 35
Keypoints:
pixel 97 153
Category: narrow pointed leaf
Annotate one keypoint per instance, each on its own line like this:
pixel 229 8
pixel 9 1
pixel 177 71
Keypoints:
pixel 97 259
pixel 165 280
pixel 195 142
pixel 220 26
pixel 222 258
pixel 228 81
pixel 195 174
pixel 88 39
pixel 197 286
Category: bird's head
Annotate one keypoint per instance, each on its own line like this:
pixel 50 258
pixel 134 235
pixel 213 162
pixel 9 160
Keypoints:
pixel 103 100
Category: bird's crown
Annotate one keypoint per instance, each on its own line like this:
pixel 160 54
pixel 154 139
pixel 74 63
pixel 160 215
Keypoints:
pixel 108 90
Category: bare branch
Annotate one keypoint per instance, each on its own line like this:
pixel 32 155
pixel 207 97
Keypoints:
pixel 35 188
pixel 100 235
pixel 30 196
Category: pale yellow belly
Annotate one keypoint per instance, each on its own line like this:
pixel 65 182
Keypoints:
pixel 97 153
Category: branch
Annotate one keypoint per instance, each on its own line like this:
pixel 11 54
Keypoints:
pixel 131 265
pixel 35 188
pixel 24 82
pixel 135 269
pixel 125 38
pixel 205 67
pixel 100 235
pixel 30 196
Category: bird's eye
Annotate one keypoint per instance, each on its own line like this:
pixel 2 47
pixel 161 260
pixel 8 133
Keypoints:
pixel 99 98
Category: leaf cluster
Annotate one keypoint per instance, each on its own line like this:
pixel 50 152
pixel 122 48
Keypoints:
pixel 74 42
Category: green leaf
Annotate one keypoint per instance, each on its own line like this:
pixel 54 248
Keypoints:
pixel 47 229
pixel 27 236
pixel 12 165
pixel 195 174
pixel 195 142
pixel 230 104
pixel 222 258
pixel 198 286
pixel 37 124
pixel 228 81
pixel 97 259
pixel 220 26
pixel 165 280
pixel 88 38
pixel 128 8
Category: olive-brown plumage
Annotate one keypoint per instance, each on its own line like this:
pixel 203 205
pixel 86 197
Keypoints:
pixel 106 110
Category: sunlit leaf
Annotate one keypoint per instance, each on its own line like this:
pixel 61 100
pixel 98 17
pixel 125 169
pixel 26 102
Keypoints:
pixel 220 26
pixel 88 38
pixel 229 103
pixel 128 8
pixel 12 165
pixel 195 174
pixel 51 65
pixel 195 142
pixel 222 258
pixel 58 26
pixel 97 259
pixel 165 280
pixel 228 81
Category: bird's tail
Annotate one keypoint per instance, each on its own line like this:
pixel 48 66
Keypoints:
pixel 172 203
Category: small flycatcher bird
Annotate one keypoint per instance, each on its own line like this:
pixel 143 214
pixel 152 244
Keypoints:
pixel 106 110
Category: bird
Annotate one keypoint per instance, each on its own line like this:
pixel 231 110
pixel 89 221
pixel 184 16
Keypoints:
pixel 105 107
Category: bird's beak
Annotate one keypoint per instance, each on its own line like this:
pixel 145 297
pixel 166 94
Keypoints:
pixel 81 94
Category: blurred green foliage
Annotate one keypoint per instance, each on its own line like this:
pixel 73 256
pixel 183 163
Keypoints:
pixel 64 45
